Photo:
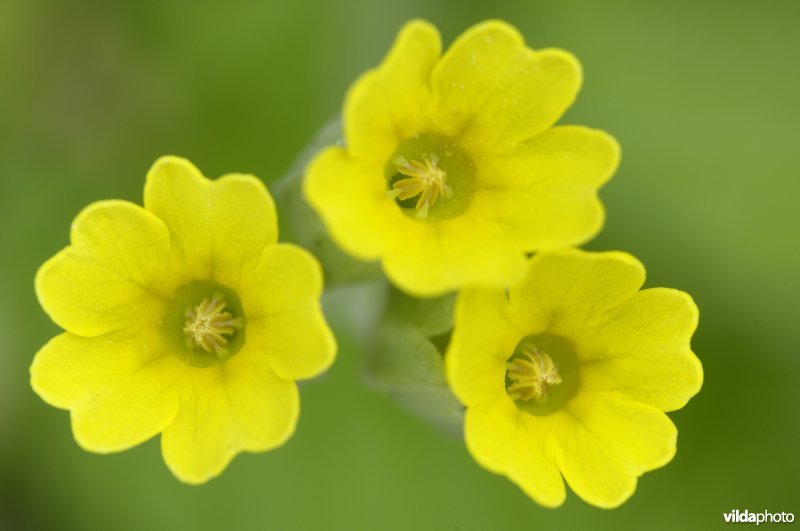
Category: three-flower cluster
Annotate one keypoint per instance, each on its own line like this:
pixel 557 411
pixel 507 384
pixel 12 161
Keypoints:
pixel 187 318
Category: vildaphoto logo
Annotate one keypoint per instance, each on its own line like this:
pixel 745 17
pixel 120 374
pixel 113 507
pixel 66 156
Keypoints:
pixel 746 517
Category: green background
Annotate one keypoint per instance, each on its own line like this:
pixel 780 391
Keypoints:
pixel 703 98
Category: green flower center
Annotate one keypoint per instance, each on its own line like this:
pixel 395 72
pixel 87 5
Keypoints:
pixel 430 177
pixel 541 374
pixel 531 375
pixel 209 326
pixel 424 180
pixel 204 323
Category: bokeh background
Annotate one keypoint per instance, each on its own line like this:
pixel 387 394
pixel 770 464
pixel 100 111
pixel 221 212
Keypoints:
pixel 703 97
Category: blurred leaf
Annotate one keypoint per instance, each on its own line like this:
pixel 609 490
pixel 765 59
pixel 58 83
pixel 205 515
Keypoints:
pixel 432 317
pixel 406 365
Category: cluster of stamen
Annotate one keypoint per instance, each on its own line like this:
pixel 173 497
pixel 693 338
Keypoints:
pixel 209 326
pixel 424 179
pixel 531 375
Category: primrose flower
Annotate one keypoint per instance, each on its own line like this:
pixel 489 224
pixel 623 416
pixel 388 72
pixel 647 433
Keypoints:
pixel 570 373
pixel 452 168
pixel 186 318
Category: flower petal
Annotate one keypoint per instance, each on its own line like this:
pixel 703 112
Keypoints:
pixel 499 438
pixel 135 410
pixel 498 91
pixel 286 328
pixel 218 228
pixel 534 467
pixel 296 344
pixel 264 406
pixel 286 278
pixel 531 95
pixel 563 291
pixel 483 339
pixel 605 443
pixel 470 71
pixel 545 195
pixel 120 387
pixel 641 349
pixel 490 430
pixel 109 277
pixel 71 369
pixel 390 103
pixel 428 260
pixel 224 411
pixel 350 197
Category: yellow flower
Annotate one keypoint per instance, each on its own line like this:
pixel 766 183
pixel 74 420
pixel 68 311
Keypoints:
pixel 452 168
pixel 186 318
pixel 570 373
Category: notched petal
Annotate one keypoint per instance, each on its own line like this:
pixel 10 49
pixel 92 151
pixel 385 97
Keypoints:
pixel 642 348
pixel 391 102
pixel 217 227
pixel 224 412
pixel 112 274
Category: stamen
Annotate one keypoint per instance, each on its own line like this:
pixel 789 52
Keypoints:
pixel 208 324
pixel 531 376
pixel 425 179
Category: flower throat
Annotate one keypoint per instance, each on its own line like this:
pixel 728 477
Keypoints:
pixel 430 177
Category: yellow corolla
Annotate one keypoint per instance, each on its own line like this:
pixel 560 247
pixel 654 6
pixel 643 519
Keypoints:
pixel 186 318
pixel 569 374
pixel 452 169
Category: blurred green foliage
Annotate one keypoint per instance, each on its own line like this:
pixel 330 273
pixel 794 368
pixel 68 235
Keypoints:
pixel 703 97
